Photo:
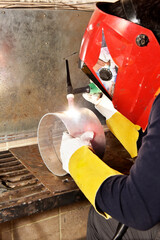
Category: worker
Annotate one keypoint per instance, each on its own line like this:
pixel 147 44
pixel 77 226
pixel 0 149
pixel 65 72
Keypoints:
pixel 121 45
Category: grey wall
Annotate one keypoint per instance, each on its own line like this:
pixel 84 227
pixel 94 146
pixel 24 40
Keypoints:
pixel 33 46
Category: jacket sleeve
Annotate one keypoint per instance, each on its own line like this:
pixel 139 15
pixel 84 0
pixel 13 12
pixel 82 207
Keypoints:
pixel 125 131
pixel 135 199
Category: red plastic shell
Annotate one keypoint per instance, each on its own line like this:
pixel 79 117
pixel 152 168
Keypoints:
pixel 138 78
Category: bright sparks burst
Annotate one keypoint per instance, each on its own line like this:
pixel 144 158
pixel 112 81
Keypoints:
pixel 73 112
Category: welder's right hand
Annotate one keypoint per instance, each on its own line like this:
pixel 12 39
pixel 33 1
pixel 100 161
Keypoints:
pixel 70 145
pixel 103 104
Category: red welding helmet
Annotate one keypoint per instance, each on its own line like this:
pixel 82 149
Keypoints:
pixel 123 59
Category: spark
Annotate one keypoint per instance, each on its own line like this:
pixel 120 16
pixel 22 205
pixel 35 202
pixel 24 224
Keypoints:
pixel 73 112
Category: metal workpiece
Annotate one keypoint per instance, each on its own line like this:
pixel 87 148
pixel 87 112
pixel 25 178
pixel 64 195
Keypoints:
pixel 75 122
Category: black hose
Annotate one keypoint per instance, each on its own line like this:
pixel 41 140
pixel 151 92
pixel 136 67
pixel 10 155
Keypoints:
pixel 120 231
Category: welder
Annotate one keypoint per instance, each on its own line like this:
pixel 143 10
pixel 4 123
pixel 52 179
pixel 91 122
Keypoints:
pixel 120 53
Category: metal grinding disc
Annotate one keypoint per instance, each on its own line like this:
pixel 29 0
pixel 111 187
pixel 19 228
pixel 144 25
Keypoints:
pixel 51 128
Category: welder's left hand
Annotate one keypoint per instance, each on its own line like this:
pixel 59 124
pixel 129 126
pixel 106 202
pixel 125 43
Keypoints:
pixel 103 104
pixel 69 145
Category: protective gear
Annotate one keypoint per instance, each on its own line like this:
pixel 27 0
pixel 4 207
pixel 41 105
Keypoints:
pixel 93 98
pixel 89 172
pixel 119 125
pixel 120 56
pixel 104 105
pixel 69 145
pixel 125 131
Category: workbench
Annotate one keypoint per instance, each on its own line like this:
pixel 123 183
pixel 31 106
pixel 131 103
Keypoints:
pixel 28 187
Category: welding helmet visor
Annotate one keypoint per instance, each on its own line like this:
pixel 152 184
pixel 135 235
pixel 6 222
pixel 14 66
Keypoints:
pixel 123 59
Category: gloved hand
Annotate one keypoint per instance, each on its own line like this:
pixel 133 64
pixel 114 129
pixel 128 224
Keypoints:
pixel 103 104
pixel 70 144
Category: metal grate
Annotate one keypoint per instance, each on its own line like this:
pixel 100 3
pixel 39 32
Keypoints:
pixel 28 187
pixel 17 184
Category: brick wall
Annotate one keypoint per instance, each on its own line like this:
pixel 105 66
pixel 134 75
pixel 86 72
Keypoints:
pixel 64 223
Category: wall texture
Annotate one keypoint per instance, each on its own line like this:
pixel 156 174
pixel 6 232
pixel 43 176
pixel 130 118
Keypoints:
pixel 56 4
pixel 34 44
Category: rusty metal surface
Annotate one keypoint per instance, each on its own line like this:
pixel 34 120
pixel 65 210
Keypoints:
pixel 27 187
pixel 31 158
pixel 33 46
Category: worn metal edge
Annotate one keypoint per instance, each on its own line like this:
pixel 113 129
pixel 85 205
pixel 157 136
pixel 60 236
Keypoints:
pixel 40 205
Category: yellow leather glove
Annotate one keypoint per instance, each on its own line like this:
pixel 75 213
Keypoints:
pixel 70 144
pixel 89 172
pixel 123 129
